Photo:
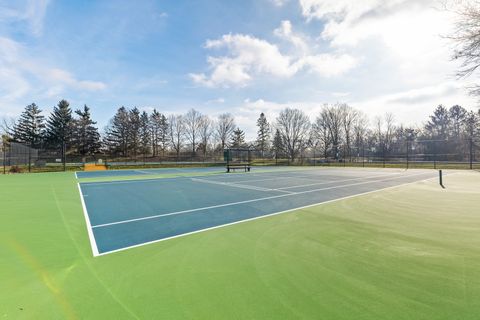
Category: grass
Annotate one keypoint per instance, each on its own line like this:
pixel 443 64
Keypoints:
pixel 411 252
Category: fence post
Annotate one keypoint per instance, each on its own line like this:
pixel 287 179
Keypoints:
pixel 30 158
pixel 408 148
pixel 434 154
pixel 64 156
pixel 471 153
pixel 384 155
pixel 363 155
pixel 314 161
pixel 4 156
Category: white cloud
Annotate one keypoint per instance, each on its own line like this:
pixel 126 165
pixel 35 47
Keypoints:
pixel 341 94
pixel 30 11
pixel 408 32
pixel 410 107
pixel 400 44
pixel 247 57
pixel 279 3
pixel 60 76
pixel 414 106
pixel 216 101
pixel 35 14
pixel 329 65
pixel 23 77
pixel 285 31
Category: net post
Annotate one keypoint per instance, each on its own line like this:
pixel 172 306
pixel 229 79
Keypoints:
pixel 440 178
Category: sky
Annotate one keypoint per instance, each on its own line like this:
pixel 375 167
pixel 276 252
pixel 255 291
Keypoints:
pixel 243 57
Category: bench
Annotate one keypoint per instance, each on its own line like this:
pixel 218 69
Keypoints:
pixel 234 166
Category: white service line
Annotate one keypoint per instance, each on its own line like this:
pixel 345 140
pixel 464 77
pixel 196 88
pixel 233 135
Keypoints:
pixel 248 201
pixel 236 185
pixel 145 172
pixel 93 243
pixel 261 217
pixel 257 180
pixel 276 178
pixel 345 180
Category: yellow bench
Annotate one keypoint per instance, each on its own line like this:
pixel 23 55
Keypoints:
pixel 94 167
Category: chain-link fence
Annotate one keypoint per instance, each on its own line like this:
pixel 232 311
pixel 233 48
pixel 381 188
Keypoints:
pixel 435 154
pixel 16 157
pixel 455 154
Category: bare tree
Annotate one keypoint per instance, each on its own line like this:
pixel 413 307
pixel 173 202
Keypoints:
pixel 389 130
pixel 224 128
pixel 466 37
pixel 379 130
pixel 360 131
pixel 321 134
pixel 294 126
pixel 349 116
pixel 205 132
pixel 333 121
pixel 176 132
pixel 7 125
pixel 192 122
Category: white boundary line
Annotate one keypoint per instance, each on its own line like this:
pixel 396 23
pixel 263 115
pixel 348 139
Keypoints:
pixel 264 216
pixel 333 181
pixel 210 175
pixel 93 242
pixel 237 185
pixel 245 201
pixel 76 177
pixel 143 171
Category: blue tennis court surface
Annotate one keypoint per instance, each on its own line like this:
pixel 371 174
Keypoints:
pixel 125 214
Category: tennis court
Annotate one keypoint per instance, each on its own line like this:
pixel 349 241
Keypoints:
pixel 127 214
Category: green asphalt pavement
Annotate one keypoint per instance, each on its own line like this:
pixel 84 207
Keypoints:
pixel 411 252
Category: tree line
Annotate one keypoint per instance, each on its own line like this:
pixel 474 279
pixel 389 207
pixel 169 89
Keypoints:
pixel 338 132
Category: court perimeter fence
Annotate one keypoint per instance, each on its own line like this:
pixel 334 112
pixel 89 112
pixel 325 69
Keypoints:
pixel 434 154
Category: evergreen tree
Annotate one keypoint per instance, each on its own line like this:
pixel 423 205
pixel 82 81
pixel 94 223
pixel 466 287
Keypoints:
pixel 263 133
pixel 60 125
pixel 238 139
pixel 159 125
pixel 163 137
pixel 116 139
pixel 134 134
pixel 86 137
pixel 439 123
pixel 144 132
pixel 155 130
pixel 30 127
pixel 278 146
